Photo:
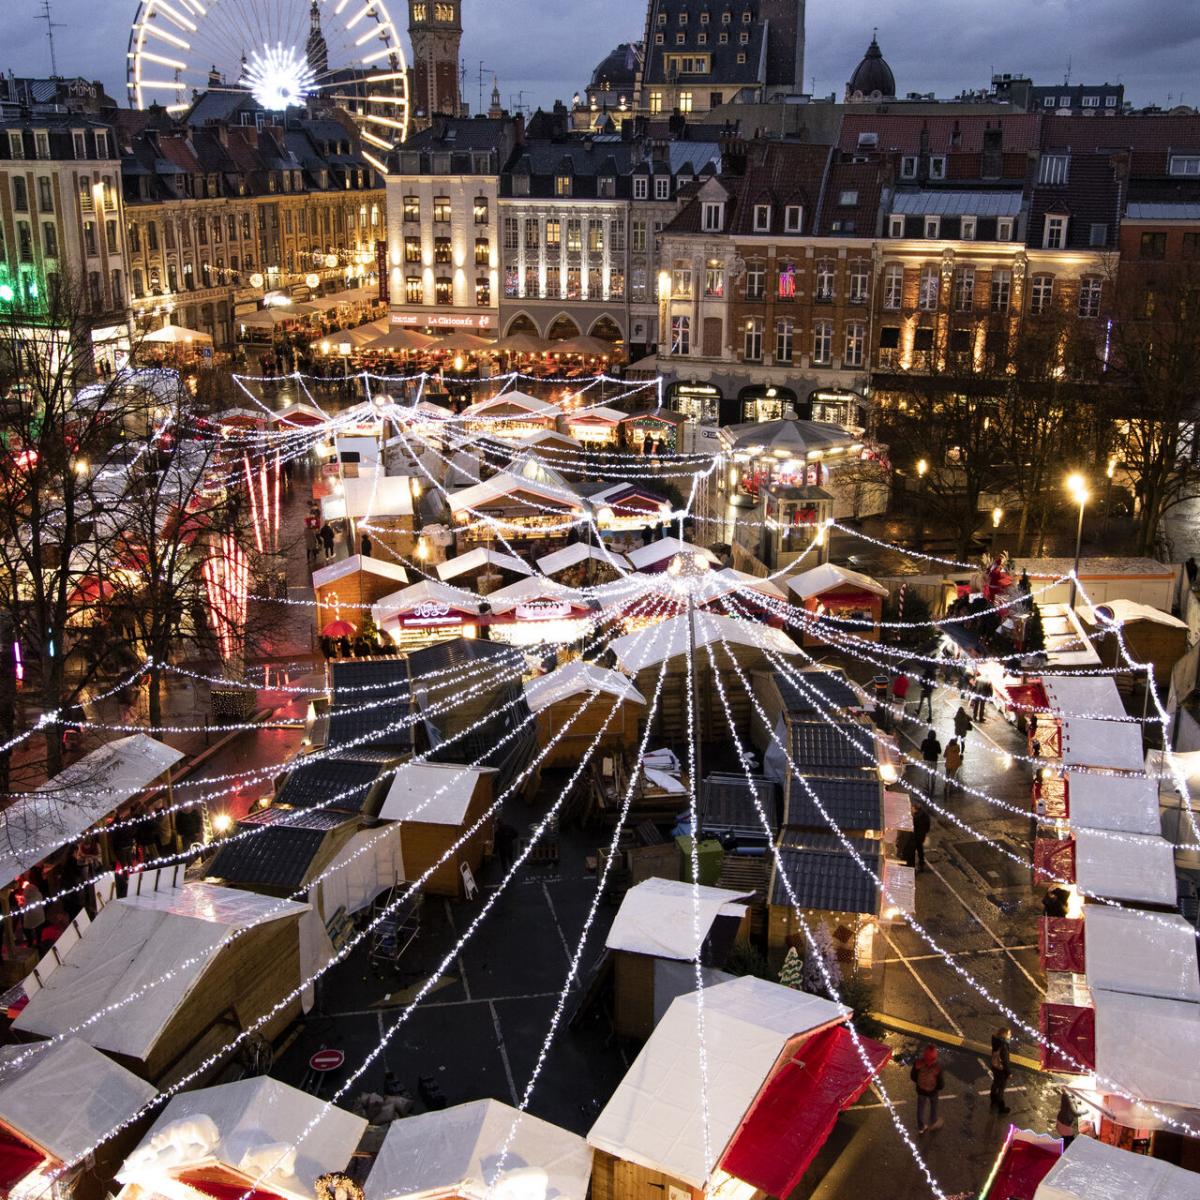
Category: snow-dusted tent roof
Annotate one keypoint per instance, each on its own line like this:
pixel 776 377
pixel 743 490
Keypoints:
pixel 77 797
pixel 657 917
pixel 548 437
pixel 577 552
pixel 1084 695
pixel 1128 953
pixel 67 1097
pixel 432 793
pixel 740 584
pixel 1131 610
pixel 656 1118
pixel 494 406
pixel 455 1152
pixel 649 646
pixel 135 940
pixel 829 577
pixel 578 678
pixel 1143 1044
pixel 1114 745
pixel 506 484
pixel 425 591
pixel 664 548
pixel 473 560
pixel 248 1127
pixel 1093 1170
pixel 534 587
pixel 1136 869
pixel 1120 803
pixel 383 567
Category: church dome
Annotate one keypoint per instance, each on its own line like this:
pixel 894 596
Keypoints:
pixel 617 71
pixel 872 77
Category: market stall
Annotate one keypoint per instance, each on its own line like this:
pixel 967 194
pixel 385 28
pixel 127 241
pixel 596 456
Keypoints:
pixel 833 595
pixel 1148 635
pixel 652 432
pixel 345 589
pixel 43 1125
pixel 255 1136
pixel 456 1153
pixel 536 611
pixel 1023 1162
pixel 379 505
pixel 584 559
pixel 656 556
pixel 597 427
pixel 484 569
pixel 521 508
pixel 1089 1169
pixel 435 805
pixel 572 705
pixel 428 611
pixel 1133 869
pixel 1089 800
pixel 510 415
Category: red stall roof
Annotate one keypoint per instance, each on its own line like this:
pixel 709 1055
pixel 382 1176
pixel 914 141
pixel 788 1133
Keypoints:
pixel 1022 1168
pixel 794 1113
pixel 1071 1031
pixel 17 1159
pixel 1027 696
pixel 225 1188
pixel 1061 945
pixel 1053 859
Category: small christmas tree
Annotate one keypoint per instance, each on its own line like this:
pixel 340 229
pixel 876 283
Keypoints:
pixel 813 979
pixel 792 974
pixel 1035 631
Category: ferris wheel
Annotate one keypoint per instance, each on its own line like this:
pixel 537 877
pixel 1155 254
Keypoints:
pixel 285 53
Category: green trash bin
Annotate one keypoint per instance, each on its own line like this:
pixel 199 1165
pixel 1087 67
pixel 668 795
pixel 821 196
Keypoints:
pixel 711 857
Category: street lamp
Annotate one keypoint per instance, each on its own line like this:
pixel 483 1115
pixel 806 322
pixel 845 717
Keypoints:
pixel 1076 484
pixel 1109 472
pixel 687 571
pixel 997 517
pixel 922 471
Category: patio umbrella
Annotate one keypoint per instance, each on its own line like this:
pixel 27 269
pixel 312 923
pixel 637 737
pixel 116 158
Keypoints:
pixel 461 341
pixel 90 589
pixel 337 629
pixel 589 347
pixel 177 335
pixel 522 343
pixel 399 338
pixel 356 336
pixel 789 437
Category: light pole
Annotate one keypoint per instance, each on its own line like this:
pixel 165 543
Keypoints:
pixel 688 572
pixel 922 471
pixel 997 517
pixel 1109 472
pixel 1076 484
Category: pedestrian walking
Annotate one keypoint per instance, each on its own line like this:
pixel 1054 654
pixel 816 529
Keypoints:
pixel 922 822
pixel 983 693
pixel 900 692
pixel 366 546
pixel 927 1075
pixel 927 685
pixel 33 911
pixel 931 751
pixel 327 537
pixel 1191 569
pixel 962 723
pixel 1000 1068
pixel 954 757
pixel 1066 1124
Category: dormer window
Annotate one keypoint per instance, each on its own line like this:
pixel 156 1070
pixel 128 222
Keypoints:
pixel 937 166
pixel 606 187
pixel 1055 235
pixel 762 218
pixel 908 167
pixel 662 187
pixel 641 187
pixel 562 185
pixel 712 216
pixel 793 218
pixel 1052 169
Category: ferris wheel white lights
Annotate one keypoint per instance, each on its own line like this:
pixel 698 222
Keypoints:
pixel 279 78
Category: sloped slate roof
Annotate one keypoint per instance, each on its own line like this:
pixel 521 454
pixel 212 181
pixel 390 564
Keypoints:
pixel 824 876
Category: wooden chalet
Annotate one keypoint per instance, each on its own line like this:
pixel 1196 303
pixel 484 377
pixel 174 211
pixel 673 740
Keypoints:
pixel 579 697
pixel 347 588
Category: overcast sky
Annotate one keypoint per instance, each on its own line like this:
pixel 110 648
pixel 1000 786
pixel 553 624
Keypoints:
pixel 547 48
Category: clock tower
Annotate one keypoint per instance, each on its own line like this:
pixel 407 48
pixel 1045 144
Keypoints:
pixel 435 28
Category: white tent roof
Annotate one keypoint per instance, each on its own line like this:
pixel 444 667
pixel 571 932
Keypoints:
pixel 425 591
pixel 649 646
pixel 668 547
pixel 358 562
pixel 1093 1170
pixel 539 437
pixel 249 1127
pixel 431 793
pixel 521 400
pixel 534 587
pixel 505 484
pixel 136 940
pixel 730 582
pixel 1131 610
pixel 367 448
pixel 576 678
pixel 1120 803
pixel 829 576
pixel 597 412
pixel 657 917
pixel 1115 745
pixel 77 797
pixel 378 496
pixel 473 560
pixel 67 1097
pixel 1128 953
pixel 1143 1044
pixel 1137 869
pixel 1084 695
pixel 455 1152
pixel 177 335
pixel 655 1117
pixel 577 552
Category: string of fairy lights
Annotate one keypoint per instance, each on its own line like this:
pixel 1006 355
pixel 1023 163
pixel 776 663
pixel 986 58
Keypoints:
pixel 261 450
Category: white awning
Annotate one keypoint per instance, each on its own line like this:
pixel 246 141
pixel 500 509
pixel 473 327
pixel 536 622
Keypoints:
pixel 1120 803
pixel 383 567
pixel 577 552
pixel 1093 1170
pixel 657 917
pixel 521 401
pixel 656 552
pixel 534 587
pixel 1128 952
pixel 76 798
pixel 830 577
pixel 67 1097
pixel 1143 1045
pixel 1136 869
pixel 378 496
pixel 1083 695
pixel 649 646
pixel 656 1117
pixel 478 558
pixel 578 678
pixel 432 793
pixel 456 1152
pixel 249 1127
pixel 1114 745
